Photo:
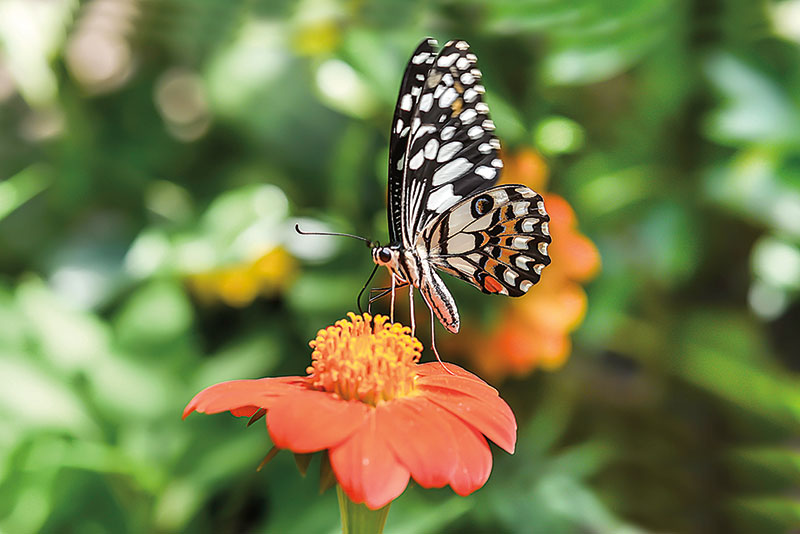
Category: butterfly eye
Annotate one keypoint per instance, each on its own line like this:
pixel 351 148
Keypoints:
pixel 482 205
pixel 385 255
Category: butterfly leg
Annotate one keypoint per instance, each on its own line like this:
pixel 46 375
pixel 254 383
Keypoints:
pixel 411 309
pixel 433 345
pixel 383 292
pixel 391 312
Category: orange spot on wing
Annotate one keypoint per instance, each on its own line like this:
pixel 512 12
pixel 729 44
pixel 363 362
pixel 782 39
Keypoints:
pixel 492 285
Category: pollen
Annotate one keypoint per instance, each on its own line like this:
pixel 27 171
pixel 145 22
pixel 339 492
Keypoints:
pixel 365 358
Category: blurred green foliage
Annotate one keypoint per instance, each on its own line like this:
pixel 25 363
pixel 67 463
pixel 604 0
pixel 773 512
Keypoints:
pixel 151 153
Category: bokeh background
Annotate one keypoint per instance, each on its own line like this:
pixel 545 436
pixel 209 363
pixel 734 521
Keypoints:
pixel 155 155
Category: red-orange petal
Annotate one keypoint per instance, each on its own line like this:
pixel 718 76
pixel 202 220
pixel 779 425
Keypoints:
pixel 489 415
pixel 240 396
pixel 435 445
pixel 474 458
pixel 366 467
pixel 437 369
pixel 421 441
pixel 310 421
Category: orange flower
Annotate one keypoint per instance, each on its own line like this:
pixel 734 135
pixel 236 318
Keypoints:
pixel 534 331
pixel 381 416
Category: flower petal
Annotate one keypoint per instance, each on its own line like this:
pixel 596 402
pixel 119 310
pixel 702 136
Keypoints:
pixel 421 441
pixel 310 420
pixel 474 458
pixel 438 369
pixel 367 469
pixel 240 396
pixel 489 415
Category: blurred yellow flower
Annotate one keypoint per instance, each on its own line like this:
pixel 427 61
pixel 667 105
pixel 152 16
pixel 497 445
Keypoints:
pixel 239 285
pixel 315 38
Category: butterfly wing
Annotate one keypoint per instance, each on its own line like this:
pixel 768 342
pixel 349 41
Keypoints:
pixel 495 240
pixel 451 151
pixel 410 90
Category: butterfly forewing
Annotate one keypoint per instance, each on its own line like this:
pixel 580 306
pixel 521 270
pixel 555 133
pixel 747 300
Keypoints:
pixel 410 90
pixel 451 149
pixel 496 240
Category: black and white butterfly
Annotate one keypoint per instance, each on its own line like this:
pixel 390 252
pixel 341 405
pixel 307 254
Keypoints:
pixel 445 212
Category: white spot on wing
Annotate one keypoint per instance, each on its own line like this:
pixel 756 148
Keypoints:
pixel 522 262
pixel 426 102
pixel 416 161
pixel 528 225
pixel 545 228
pixel 497 162
pixel 405 102
pixel 447 132
pixel 521 208
pixel 467 78
pixel 520 243
pixel 481 107
pixel 442 198
pixel 525 285
pixel 475 132
pixel 470 95
pixel 449 150
pixel 487 173
pixel 462 63
pixel 448 97
pixel 419 58
pixel 543 248
pixel 538 268
pixel 431 148
pixel 484 148
pixel 510 277
pixel 446 61
pixel 398 127
pixel 468 116
pixel 451 171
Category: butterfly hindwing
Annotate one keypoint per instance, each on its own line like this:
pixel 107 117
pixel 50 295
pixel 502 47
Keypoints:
pixel 410 89
pixel 495 240
pixel 451 150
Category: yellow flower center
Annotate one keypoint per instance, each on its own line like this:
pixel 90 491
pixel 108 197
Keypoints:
pixel 368 359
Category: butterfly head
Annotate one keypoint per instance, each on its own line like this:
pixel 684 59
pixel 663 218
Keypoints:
pixel 386 256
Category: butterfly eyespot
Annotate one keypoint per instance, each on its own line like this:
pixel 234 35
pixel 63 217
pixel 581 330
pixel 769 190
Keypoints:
pixel 482 205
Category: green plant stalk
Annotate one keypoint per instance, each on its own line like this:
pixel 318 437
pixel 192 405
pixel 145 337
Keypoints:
pixel 357 518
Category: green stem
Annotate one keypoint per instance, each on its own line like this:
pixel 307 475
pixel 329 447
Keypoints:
pixel 357 518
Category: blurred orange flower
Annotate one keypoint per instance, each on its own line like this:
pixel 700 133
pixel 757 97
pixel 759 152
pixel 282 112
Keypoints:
pixel 381 416
pixel 534 331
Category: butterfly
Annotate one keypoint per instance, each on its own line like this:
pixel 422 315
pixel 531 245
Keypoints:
pixel 444 210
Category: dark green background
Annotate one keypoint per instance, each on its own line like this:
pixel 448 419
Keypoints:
pixel 136 139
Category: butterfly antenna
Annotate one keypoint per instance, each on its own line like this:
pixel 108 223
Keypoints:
pixel 303 232
pixel 366 284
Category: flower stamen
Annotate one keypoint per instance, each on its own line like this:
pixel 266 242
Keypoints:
pixel 367 359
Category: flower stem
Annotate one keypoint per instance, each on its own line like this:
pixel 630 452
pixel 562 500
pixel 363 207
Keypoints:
pixel 357 518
